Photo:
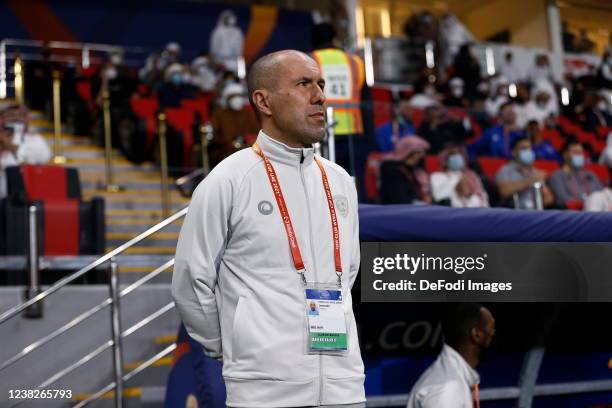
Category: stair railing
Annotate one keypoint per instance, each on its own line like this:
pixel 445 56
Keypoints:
pixel 117 334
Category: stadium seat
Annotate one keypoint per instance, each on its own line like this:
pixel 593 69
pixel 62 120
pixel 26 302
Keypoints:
pixel 372 176
pixel 69 225
pixel 576 205
pixel 601 171
pixel 145 109
pixel 547 165
pixel 199 106
pixel 182 121
pixel 491 165
pixel 432 163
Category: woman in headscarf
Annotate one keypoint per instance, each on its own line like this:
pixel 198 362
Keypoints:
pixel 403 179
pixel 456 183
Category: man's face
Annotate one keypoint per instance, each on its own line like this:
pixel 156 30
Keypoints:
pixel 522 145
pixel 488 328
pixel 573 150
pixel 508 116
pixel 297 104
pixel 313 306
pixel 404 109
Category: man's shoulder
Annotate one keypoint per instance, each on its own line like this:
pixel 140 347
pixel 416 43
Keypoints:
pixel 231 170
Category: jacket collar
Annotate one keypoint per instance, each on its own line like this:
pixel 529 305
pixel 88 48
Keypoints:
pixel 280 152
pixel 454 359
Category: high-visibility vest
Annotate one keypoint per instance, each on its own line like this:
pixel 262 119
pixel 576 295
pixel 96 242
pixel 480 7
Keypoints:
pixel 344 77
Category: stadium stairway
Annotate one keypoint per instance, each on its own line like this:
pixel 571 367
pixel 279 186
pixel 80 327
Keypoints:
pixel 128 212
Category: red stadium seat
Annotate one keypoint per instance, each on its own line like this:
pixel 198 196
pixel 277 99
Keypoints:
pixel 199 106
pixel 70 226
pixel 548 166
pixel 146 109
pixel 432 163
pixel 182 120
pixel 418 116
pixel 601 171
pixel 491 165
pixel 554 137
pixel 382 106
pixel 372 175
pixel 576 205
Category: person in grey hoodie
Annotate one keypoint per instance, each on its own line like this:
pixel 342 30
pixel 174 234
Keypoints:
pixel 261 227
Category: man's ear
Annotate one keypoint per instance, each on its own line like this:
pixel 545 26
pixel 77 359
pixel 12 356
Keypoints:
pixel 262 101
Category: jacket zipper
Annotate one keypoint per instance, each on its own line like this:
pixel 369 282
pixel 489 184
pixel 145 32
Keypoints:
pixel 314 262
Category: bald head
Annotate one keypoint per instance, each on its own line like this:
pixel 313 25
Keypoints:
pixel 265 72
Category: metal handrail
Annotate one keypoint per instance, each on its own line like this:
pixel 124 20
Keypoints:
pixel 105 258
pixel 84 316
pixel 128 376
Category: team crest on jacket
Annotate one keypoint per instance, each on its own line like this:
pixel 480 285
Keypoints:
pixel 341 205
pixel 265 207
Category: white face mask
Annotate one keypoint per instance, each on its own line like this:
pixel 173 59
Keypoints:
pixel 457 92
pixel 602 105
pixel 236 103
pixel 116 59
pixel 110 73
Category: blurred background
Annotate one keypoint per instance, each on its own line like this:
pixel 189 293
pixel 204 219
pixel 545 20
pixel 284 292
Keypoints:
pixel 111 112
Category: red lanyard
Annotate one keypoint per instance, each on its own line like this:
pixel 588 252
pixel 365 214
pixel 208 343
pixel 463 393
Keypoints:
pixel 282 207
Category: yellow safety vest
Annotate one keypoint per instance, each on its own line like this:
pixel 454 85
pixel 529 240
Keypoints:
pixel 344 77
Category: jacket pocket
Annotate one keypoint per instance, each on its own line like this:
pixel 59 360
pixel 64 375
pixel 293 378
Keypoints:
pixel 236 324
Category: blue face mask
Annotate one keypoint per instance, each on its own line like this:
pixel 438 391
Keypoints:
pixel 455 162
pixel 176 79
pixel 403 122
pixel 526 156
pixel 577 161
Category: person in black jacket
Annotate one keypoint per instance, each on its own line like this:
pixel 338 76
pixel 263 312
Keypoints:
pixel 403 179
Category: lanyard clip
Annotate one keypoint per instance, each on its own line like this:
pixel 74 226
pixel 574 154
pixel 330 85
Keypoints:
pixel 303 276
pixel 339 275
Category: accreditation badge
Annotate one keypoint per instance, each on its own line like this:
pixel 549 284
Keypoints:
pixel 326 320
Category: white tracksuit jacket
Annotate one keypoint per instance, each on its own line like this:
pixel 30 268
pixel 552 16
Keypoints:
pixel 236 287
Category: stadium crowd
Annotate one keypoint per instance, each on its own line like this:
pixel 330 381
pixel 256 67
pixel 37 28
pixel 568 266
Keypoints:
pixel 457 137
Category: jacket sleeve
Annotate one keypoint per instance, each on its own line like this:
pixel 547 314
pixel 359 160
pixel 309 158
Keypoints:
pixel 200 248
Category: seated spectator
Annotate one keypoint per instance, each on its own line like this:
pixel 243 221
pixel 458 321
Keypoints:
pixel 518 177
pixel 232 124
pixel 606 155
pixel 466 67
pixel 174 89
pixel 456 96
pixel 583 42
pixel 17 144
pixel 509 70
pixel 498 98
pixel 426 95
pixel 543 107
pixel 8 156
pixel 604 73
pixel 389 133
pixel 593 113
pixel 599 200
pixel 170 55
pixel 541 70
pixel 403 179
pixel 152 74
pixel 496 140
pixel 439 129
pixel 521 101
pixel 542 148
pixel 571 182
pixel 457 183
pixel 203 75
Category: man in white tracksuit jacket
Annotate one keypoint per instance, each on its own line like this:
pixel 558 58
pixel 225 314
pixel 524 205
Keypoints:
pixel 235 283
